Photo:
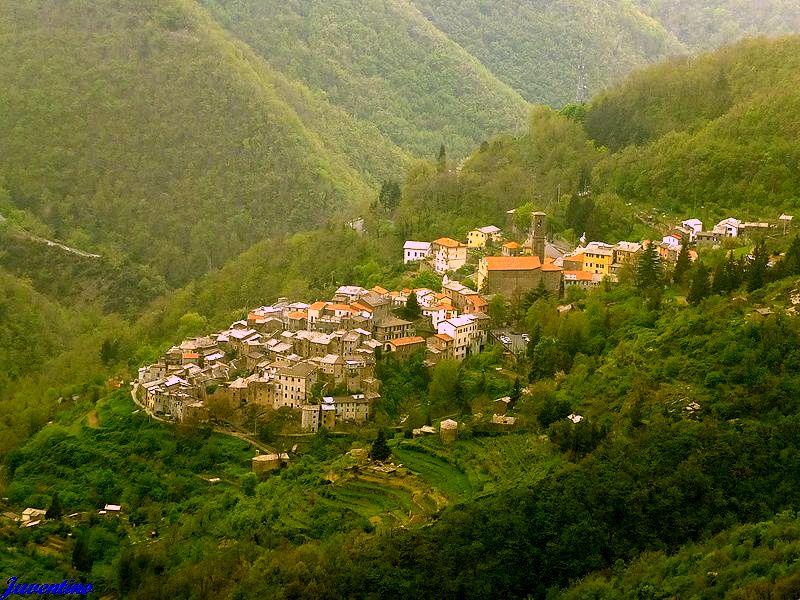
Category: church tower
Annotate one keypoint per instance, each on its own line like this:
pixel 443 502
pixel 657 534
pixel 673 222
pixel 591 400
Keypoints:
pixel 537 235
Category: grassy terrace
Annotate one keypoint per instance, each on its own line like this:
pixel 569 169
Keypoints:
pixel 479 465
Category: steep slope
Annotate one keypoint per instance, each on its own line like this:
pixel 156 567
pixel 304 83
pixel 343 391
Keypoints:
pixel 537 47
pixel 712 23
pixel 717 131
pixel 383 62
pixel 141 129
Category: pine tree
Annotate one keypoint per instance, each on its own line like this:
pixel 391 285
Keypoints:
pixel 54 511
pixel 441 159
pixel 389 197
pixel 682 265
pixel 700 286
pixel 720 282
pixel 790 265
pixel 648 268
pixel 413 310
pixel 380 449
pixel 757 269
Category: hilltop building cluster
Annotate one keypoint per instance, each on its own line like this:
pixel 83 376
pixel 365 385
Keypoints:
pixel 513 269
pixel 318 359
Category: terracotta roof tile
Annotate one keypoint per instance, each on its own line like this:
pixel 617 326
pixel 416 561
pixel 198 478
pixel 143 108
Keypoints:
pixel 512 263
pixel 447 242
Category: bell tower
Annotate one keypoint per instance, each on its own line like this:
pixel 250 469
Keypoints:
pixel 537 235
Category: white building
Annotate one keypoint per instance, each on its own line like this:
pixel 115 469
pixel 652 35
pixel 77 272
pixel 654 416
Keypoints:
pixel 415 251
pixel 728 227
pixel 467 335
pixel 694 226
pixel 450 254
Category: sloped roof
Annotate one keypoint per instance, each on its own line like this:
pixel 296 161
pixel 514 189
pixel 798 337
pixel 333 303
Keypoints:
pixel 512 263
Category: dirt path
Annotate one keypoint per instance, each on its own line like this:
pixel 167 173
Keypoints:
pixel 92 419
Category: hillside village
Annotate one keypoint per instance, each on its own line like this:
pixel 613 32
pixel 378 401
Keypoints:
pixel 319 359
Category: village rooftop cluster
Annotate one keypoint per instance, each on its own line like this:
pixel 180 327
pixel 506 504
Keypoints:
pixel 319 358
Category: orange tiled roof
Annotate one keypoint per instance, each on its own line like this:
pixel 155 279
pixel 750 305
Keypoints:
pixel 511 245
pixel 579 275
pixel 576 258
pixel 318 305
pixel 298 314
pixel 447 242
pixel 359 306
pixel 407 341
pixel 344 307
pixel 444 337
pixel 477 300
pixel 379 290
pixel 512 263
pixel 190 355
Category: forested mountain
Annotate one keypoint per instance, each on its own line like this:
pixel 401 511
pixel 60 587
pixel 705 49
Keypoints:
pixel 712 23
pixel 382 62
pixel 716 131
pixel 210 152
pixel 539 47
pixel 142 129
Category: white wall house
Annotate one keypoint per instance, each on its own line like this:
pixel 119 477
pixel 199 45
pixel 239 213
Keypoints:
pixel 694 226
pixel 414 251
pixel 728 227
pixel 465 333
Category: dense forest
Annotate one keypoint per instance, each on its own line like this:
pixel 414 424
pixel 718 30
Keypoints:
pixel 210 169
pixel 539 48
pixel 382 62
pixel 713 23
pixel 151 134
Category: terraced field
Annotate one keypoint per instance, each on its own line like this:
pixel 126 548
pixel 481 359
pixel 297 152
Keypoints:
pixel 386 500
pixel 479 465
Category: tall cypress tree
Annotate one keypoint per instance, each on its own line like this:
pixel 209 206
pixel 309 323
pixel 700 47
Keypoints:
pixel 757 269
pixel 682 265
pixel 720 282
pixel 700 286
pixel 380 449
pixel 648 268
pixel 790 265
pixel 413 310
pixel 441 159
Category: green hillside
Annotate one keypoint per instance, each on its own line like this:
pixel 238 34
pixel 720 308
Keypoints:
pixel 717 131
pixel 537 47
pixel 749 561
pixel 141 129
pixel 382 62
pixel 712 23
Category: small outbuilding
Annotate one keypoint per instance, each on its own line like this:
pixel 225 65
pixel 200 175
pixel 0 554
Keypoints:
pixel 448 431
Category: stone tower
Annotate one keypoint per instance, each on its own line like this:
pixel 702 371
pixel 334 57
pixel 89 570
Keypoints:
pixel 537 235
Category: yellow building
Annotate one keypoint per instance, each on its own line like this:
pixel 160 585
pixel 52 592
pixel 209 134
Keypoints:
pixel 478 238
pixel 597 258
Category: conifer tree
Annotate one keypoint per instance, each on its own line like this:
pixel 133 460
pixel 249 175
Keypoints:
pixel 380 449
pixel 413 310
pixel 648 268
pixel 682 265
pixel 790 265
pixel 720 283
pixel 441 159
pixel 54 511
pixel 757 269
pixel 700 286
